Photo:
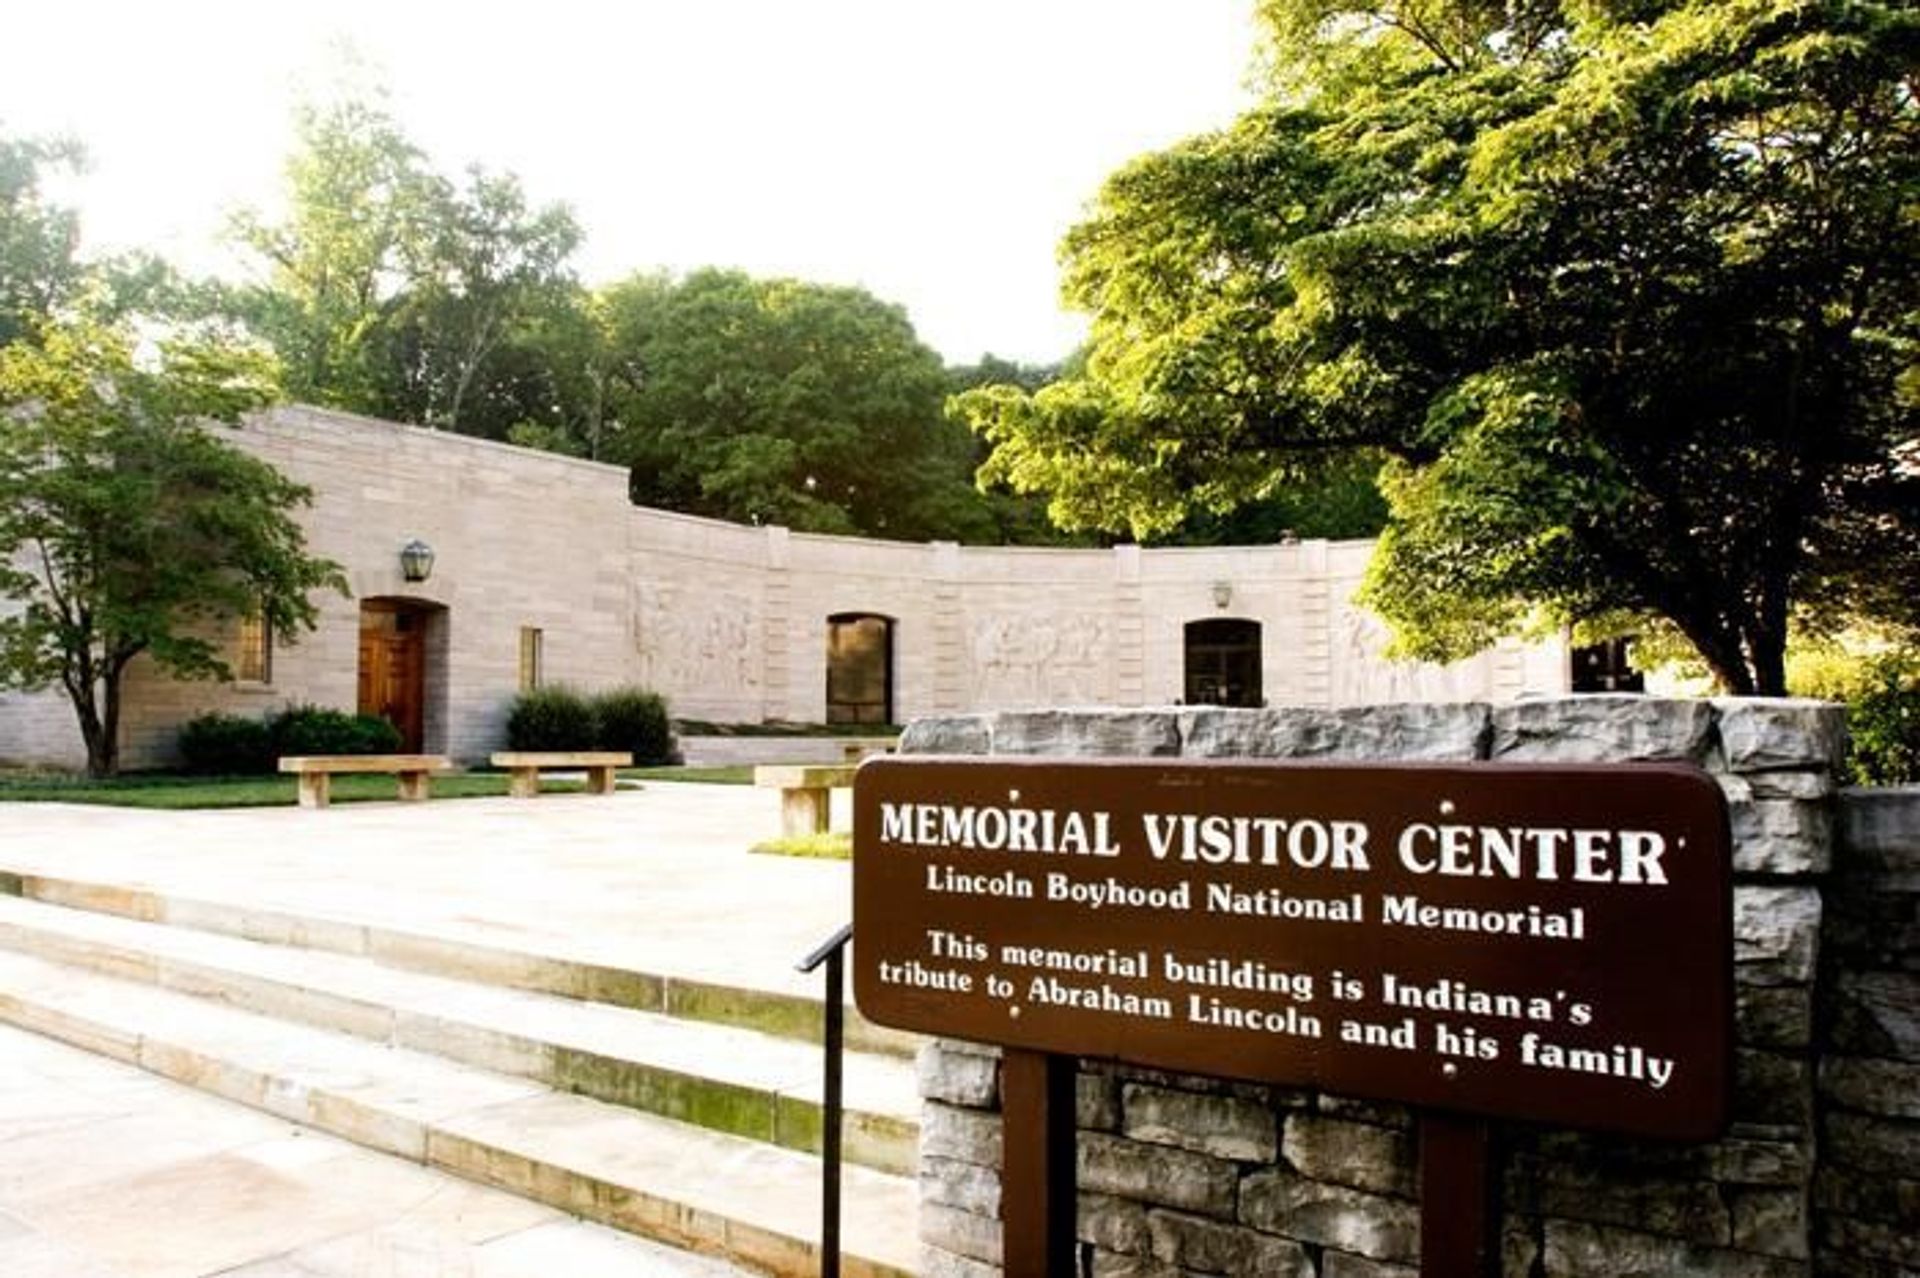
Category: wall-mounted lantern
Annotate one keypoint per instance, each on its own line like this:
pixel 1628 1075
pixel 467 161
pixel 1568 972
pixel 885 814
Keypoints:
pixel 1222 593
pixel 416 560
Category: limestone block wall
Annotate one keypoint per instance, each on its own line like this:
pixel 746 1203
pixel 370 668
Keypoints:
pixel 1181 1174
pixel 730 621
pixel 522 539
pixel 1867 1194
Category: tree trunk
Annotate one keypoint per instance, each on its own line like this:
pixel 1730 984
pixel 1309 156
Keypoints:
pixel 103 756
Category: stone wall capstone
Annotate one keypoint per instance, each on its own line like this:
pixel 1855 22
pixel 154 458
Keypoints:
pixel 1819 1171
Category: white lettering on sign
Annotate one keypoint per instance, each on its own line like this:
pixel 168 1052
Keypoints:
pixel 1489 852
pixel 994 829
pixel 1630 858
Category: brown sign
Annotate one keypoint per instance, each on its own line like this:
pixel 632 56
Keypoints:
pixel 1530 942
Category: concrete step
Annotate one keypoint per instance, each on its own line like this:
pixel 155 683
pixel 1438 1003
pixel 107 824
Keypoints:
pixel 732 1080
pixel 750 1202
pixel 462 957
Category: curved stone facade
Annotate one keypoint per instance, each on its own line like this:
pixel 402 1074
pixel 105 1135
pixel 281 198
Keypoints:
pixel 730 622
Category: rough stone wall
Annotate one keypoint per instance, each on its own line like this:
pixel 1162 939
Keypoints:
pixel 1867 1193
pixel 1184 1175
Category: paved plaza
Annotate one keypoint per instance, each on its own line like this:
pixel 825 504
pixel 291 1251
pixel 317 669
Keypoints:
pixel 656 879
pixel 108 1170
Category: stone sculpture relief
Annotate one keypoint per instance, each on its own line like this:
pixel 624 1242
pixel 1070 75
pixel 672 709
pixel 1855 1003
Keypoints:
pixel 1362 676
pixel 688 642
pixel 1039 659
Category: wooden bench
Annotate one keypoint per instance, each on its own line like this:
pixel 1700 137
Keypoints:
pixel 806 792
pixel 524 766
pixel 316 772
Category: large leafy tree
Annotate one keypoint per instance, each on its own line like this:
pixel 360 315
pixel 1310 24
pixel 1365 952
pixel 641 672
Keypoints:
pixel 127 527
pixel 1626 291
pixel 487 269
pixel 388 289
pixel 781 401
pixel 38 240
pixel 359 206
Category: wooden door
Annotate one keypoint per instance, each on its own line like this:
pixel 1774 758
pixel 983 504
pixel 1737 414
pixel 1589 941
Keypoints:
pixel 393 669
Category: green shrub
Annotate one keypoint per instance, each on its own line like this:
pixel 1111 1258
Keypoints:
pixel 1883 722
pixel 215 744
pixel 316 730
pixel 635 720
pixel 555 718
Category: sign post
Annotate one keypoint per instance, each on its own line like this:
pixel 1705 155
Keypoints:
pixel 1526 942
pixel 1459 1202
pixel 1037 1176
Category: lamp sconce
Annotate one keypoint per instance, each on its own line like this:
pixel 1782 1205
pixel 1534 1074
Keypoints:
pixel 416 560
pixel 1222 593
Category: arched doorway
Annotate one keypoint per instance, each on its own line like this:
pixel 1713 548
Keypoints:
pixel 401 641
pixel 859 668
pixel 1223 662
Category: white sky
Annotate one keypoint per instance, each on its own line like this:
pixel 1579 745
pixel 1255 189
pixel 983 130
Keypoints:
pixel 932 152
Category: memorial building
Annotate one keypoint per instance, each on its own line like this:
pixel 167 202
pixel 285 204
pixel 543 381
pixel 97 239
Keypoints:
pixel 478 569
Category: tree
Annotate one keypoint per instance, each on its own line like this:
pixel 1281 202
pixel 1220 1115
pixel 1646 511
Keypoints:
pixel 393 291
pixel 38 241
pixel 360 202
pixel 127 527
pixel 782 401
pixel 1625 291
pixel 484 267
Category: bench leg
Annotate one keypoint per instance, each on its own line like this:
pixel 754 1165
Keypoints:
pixel 413 786
pixel 313 789
pixel 523 783
pixel 599 780
pixel 803 812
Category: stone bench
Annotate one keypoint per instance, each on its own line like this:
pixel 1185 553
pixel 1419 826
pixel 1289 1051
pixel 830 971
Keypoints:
pixel 806 793
pixel 316 772
pixel 524 768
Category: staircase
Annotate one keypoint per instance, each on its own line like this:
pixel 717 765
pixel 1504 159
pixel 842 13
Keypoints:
pixel 684 1111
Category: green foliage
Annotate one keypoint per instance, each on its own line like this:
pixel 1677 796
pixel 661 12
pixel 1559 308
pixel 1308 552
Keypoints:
pixel 1881 690
pixel 780 401
pixel 558 717
pixel 38 268
pixel 225 745
pixel 831 845
pixel 551 718
pixel 636 721
pixel 216 744
pixel 1883 723
pixel 300 730
pixel 128 527
pixel 1627 293
pixel 391 290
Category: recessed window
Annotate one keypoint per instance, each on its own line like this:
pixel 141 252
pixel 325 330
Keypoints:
pixel 532 659
pixel 253 650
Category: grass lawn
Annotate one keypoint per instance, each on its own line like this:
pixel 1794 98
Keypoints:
pixel 160 791
pixel 834 845
pixel 729 774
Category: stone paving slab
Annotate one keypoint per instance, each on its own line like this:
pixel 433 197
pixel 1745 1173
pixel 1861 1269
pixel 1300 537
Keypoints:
pixel 652 880
pixel 107 1171
pixel 751 1201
